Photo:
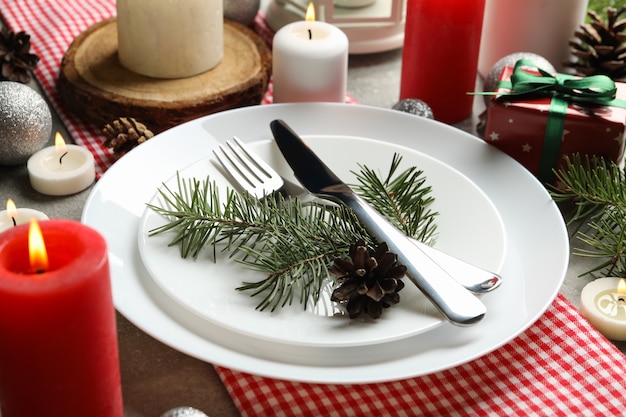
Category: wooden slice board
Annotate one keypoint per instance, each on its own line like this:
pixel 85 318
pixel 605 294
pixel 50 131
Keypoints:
pixel 94 85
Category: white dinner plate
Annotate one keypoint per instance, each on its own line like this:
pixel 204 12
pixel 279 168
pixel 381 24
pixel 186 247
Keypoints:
pixel 533 270
pixel 207 288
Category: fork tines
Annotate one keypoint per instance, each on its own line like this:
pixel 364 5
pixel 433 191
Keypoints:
pixel 248 170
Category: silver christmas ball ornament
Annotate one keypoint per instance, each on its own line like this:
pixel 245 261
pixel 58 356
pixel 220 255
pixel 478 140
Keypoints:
pixel 414 106
pixel 241 11
pixel 184 412
pixel 25 122
pixel 494 73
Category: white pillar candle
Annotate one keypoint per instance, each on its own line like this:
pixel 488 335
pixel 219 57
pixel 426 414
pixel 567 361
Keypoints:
pixel 14 216
pixel 310 62
pixel 603 303
pixel 61 169
pixel 170 38
pixel 542 27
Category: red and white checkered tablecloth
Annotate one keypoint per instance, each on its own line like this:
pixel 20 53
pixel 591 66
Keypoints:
pixel 559 366
pixel 53 25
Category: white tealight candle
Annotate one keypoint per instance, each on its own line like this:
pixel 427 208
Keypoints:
pixel 170 39
pixel 61 169
pixel 310 62
pixel 603 303
pixel 14 216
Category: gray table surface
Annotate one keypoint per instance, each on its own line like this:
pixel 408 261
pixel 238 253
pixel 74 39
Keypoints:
pixel 155 377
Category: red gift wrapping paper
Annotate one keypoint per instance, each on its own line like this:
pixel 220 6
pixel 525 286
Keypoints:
pixel 517 126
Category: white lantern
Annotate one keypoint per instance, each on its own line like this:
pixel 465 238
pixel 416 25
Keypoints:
pixel 371 25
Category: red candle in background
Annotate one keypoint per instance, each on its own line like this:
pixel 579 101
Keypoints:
pixel 440 55
pixel 58 338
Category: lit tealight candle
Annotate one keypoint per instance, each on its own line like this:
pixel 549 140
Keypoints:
pixel 13 216
pixel 603 303
pixel 61 169
pixel 310 62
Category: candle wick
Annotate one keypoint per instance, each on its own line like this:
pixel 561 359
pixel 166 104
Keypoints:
pixel 61 158
pixel 40 271
pixel 310 34
pixel 14 222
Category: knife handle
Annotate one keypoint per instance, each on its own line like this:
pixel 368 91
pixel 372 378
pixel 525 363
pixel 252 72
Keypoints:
pixel 454 301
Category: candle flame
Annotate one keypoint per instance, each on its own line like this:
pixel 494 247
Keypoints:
pixel 59 143
pixel 37 248
pixel 11 208
pixel 621 286
pixel 310 13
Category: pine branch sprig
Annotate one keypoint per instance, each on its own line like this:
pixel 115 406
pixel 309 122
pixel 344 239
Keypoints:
pixel 295 254
pixel 404 198
pixel 189 214
pixel 591 185
pixel 597 190
pixel 291 244
pixel 607 239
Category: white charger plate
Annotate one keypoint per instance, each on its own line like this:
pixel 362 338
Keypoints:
pixel 207 288
pixel 534 268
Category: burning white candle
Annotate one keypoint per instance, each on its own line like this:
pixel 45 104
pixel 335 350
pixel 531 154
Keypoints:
pixel 603 303
pixel 310 62
pixel 61 169
pixel 170 39
pixel 14 216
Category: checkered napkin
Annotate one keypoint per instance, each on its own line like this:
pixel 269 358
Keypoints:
pixel 560 366
pixel 53 25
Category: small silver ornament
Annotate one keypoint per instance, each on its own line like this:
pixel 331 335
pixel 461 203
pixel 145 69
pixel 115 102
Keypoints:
pixel 414 106
pixel 25 122
pixel 241 11
pixel 494 73
pixel 184 412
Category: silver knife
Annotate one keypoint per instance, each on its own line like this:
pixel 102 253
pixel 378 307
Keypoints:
pixel 472 277
pixel 456 303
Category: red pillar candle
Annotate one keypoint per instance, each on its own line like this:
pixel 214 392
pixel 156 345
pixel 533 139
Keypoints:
pixel 440 55
pixel 58 338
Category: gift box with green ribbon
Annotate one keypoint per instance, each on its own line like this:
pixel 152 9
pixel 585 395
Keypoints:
pixel 539 118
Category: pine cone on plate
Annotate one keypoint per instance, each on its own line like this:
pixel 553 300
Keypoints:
pixel 15 56
pixel 124 134
pixel 599 46
pixel 369 282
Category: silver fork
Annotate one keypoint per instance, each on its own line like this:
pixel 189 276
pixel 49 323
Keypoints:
pixel 257 178
pixel 249 171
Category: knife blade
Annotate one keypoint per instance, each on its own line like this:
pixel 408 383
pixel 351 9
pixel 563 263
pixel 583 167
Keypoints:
pixel 456 303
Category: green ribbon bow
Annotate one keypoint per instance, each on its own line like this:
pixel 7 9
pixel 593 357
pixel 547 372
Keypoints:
pixel 596 89
pixel 564 89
